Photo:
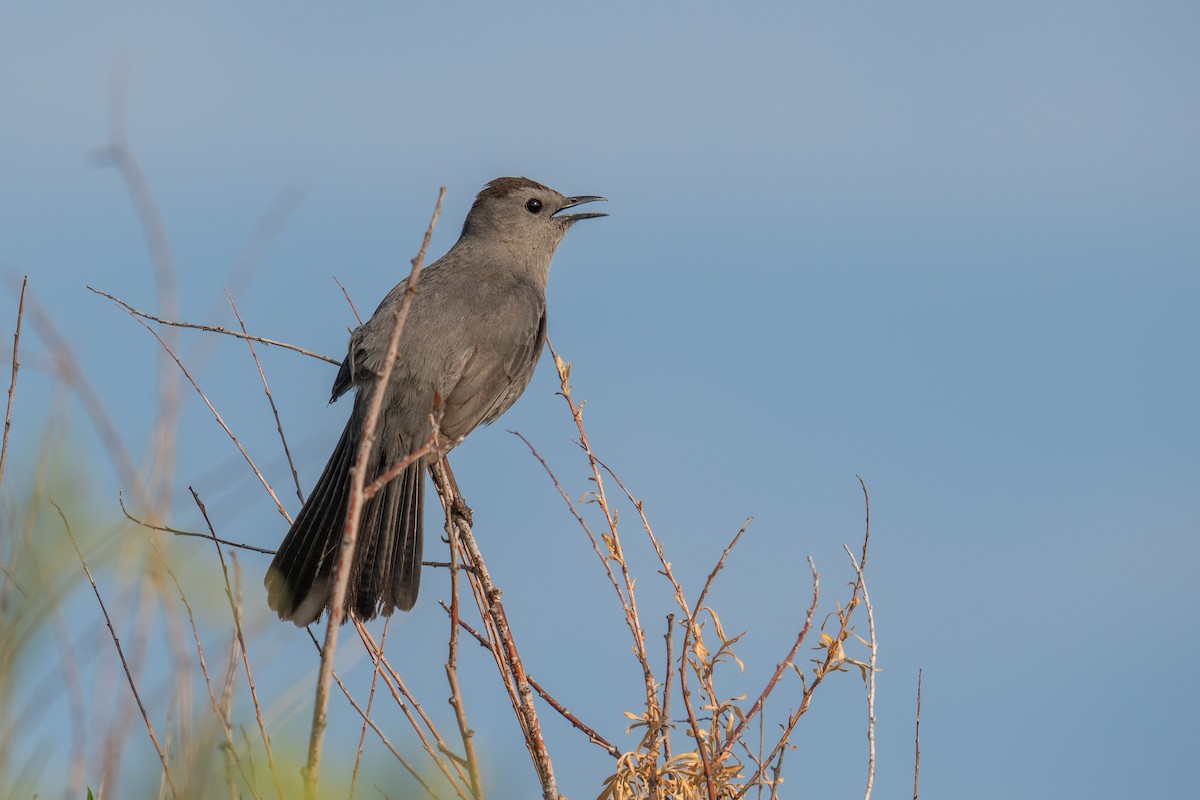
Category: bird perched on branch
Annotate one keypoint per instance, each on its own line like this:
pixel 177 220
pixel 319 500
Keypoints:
pixel 467 351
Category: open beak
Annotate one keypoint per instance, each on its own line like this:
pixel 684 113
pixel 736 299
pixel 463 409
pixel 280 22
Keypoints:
pixel 577 201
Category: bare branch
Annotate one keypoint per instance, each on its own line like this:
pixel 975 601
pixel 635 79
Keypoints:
pixel 267 389
pixel 362 735
pixel 779 670
pixel 466 734
pixel 917 739
pixel 220 420
pixel 580 725
pixel 12 386
pixel 213 329
pixel 177 532
pixel 348 300
pixel 367 720
pixel 237 626
pixel 870 677
pixel 162 757
pixel 512 669
pixel 408 703
pixel 862 583
pixel 341 573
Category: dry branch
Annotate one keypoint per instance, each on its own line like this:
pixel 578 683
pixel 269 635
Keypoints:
pixel 917 739
pixel 235 609
pixel 587 730
pixel 162 756
pixel 213 329
pixel 12 386
pixel 341 573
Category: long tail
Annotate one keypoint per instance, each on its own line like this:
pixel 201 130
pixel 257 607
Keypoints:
pixel 387 561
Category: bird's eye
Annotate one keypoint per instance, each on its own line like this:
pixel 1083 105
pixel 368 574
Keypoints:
pixel 533 205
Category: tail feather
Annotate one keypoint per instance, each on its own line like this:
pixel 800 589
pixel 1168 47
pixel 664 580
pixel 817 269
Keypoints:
pixel 387 564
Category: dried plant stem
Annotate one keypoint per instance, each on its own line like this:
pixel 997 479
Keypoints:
pixel 583 727
pixel 362 734
pixel 177 532
pixel 220 420
pixel 691 633
pixel 408 703
pixel 235 609
pixel 162 757
pixel 213 329
pixel 375 727
pixel 504 650
pixel 456 699
pixel 859 566
pixel 628 598
pixel 870 677
pixel 12 386
pixel 341 574
pixel 494 610
pixel 221 709
pixel 669 636
pixel 779 670
pixel 917 739
pixel 270 399
pixel 348 300
pixel 614 542
pixel 394 471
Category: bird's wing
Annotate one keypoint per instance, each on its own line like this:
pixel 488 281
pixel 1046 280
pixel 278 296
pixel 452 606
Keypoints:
pixel 492 378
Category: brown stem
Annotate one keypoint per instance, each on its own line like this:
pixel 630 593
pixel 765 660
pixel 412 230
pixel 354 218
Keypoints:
pixel 341 574
pixel 12 386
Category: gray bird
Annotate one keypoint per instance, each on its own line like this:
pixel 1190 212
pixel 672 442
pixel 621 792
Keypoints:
pixel 472 339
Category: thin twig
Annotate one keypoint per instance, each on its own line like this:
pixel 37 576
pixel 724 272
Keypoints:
pixel 267 389
pixel 862 582
pixel 220 421
pixel 594 737
pixel 362 734
pixel 653 712
pixel 582 523
pixel 870 677
pixel 341 573
pixel 177 532
pixel 162 757
pixel 456 699
pixel 669 636
pixel 237 626
pixel 779 670
pixel 691 629
pixel 917 739
pixel 512 669
pixel 367 719
pixel 393 472
pixel 493 610
pixel 12 386
pixel 699 604
pixel 220 709
pixel 214 329
pixel 348 300
pixel 408 703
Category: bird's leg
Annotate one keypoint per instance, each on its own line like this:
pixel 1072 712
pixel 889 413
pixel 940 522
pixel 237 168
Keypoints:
pixel 447 487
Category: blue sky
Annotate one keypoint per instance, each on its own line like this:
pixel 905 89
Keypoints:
pixel 951 248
